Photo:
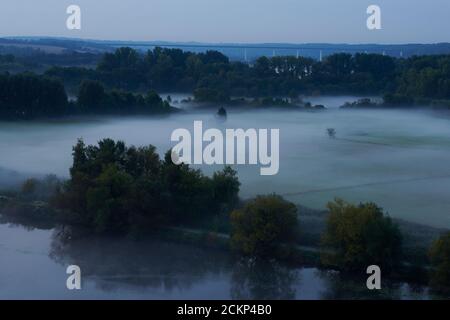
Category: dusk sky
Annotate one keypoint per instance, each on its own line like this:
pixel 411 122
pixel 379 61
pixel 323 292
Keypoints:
pixel 249 21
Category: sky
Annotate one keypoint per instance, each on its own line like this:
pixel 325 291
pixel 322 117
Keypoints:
pixel 232 21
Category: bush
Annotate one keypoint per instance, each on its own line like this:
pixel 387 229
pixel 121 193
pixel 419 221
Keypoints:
pixel 211 95
pixel 262 225
pixel 40 189
pixel 398 100
pixel 440 260
pixel 359 236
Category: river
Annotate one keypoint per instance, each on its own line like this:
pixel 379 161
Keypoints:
pixel 33 266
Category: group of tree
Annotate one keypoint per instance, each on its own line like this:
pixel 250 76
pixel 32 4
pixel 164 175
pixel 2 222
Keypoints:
pixel 93 98
pixel 212 77
pixel 27 96
pixel 356 236
pixel 118 189
pixel 112 85
pixel 30 96
pixel 425 77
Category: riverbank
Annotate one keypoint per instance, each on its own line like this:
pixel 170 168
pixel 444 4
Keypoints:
pixel 305 253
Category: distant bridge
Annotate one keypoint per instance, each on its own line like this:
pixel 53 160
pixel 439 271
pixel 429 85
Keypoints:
pixel 249 46
pixel 311 50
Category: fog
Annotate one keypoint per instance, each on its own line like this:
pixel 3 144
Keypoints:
pixel 398 159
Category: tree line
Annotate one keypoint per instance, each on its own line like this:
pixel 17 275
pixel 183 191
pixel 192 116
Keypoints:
pixel 212 76
pixel 116 84
pixel 29 96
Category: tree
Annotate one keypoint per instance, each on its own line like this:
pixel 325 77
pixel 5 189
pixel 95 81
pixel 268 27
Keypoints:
pixel 225 186
pixel 262 225
pixel 359 236
pixel 108 200
pixel 153 99
pixel 222 112
pixel 211 95
pixel 40 189
pixel 331 132
pixel 339 64
pixel 189 193
pixel 91 96
pixel 28 96
pixel 212 56
pixel 124 57
pixel 440 261
pixel 29 186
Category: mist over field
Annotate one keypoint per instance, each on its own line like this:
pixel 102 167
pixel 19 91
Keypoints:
pixel 398 159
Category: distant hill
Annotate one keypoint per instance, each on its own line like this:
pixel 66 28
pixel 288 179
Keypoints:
pixel 235 51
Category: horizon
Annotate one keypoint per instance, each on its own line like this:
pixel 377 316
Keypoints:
pixel 63 38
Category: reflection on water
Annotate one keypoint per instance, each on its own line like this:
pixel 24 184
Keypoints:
pixel 262 280
pixel 338 287
pixel 33 265
pixel 113 263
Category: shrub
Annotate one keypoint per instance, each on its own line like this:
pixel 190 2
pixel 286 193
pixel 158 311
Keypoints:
pixel 262 225
pixel 359 236
pixel 440 261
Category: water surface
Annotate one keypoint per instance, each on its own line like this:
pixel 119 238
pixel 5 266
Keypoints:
pixel 33 266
